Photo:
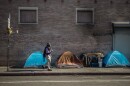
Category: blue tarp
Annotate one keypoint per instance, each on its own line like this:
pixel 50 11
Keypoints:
pixel 115 58
pixel 36 59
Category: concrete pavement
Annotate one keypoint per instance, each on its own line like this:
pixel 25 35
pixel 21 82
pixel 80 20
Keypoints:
pixel 68 71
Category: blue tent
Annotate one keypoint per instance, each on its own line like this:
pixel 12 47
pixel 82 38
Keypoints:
pixel 36 59
pixel 115 58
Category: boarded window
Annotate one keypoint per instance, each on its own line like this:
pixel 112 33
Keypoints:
pixel 28 15
pixel 84 16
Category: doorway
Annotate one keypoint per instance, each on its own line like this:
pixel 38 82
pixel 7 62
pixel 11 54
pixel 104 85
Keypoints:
pixel 121 40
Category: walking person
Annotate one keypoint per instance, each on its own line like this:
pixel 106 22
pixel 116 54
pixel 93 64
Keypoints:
pixel 47 52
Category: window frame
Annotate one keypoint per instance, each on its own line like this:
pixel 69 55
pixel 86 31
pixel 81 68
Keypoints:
pixel 27 8
pixel 85 9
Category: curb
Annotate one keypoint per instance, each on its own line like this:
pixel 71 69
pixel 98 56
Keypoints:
pixel 57 74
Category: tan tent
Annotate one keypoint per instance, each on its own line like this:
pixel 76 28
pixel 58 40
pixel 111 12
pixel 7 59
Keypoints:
pixel 68 60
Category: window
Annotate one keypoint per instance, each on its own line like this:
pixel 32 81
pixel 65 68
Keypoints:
pixel 28 15
pixel 84 15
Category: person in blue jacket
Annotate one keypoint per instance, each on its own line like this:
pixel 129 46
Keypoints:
pixel 47 52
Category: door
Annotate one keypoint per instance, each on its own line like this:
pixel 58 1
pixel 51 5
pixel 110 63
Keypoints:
pixel 121 41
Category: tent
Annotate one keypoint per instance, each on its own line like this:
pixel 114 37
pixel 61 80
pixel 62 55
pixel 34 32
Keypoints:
pixel 68 60
pixel 36 59
pixel 115 58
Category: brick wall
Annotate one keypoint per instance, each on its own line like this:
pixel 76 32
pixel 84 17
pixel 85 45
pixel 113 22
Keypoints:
pixel 57 25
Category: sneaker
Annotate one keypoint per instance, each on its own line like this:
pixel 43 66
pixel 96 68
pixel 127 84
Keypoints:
pixel 49 69
pixel 43 67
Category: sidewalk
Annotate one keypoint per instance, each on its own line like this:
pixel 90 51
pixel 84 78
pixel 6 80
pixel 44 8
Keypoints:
pixel 69 71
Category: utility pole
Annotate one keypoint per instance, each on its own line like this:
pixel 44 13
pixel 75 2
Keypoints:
pixel 8 46
pixel 9 32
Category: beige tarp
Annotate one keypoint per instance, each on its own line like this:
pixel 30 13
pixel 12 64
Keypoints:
pixel 68 59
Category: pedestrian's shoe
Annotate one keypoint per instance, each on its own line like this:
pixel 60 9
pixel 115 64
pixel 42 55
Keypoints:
pixel 49 69
pixel 43 66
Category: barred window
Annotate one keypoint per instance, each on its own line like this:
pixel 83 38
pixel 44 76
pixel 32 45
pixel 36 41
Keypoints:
pixel 84 15
pixel 28 15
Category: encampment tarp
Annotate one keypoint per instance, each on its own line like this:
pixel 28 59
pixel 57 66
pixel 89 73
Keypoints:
pixel 36 59
pixel 68 60
pixel 115 58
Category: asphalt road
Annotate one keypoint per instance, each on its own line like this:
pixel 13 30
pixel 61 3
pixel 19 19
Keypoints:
pixel 76 80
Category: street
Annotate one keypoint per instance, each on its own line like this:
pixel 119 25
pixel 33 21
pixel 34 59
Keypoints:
pixel 76 80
